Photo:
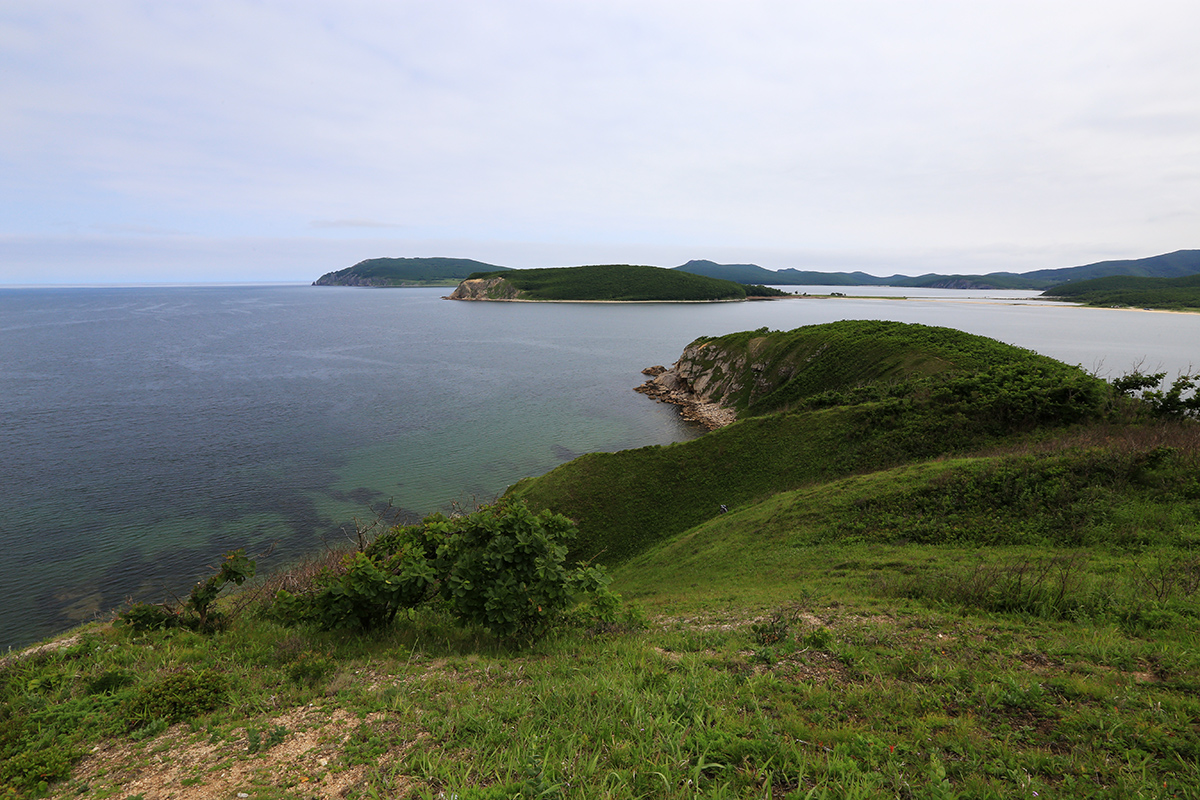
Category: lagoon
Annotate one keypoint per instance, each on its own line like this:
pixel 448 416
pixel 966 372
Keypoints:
pixel 144 431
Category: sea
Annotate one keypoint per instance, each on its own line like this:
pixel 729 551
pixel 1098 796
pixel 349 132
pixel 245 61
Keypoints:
pixel 146 431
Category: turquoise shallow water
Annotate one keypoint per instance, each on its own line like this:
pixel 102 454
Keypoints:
pixel 145 431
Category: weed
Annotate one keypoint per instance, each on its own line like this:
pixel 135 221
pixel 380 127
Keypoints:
pixel 176 697
pixel 255 743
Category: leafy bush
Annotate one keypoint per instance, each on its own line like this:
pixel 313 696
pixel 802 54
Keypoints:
pixel 366 593
pixel 235 569
pixel 1178 401
pixel 502 568
pixel 143 617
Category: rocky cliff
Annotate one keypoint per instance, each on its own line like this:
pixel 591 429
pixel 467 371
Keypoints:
pixel 495 288
pixel 706 379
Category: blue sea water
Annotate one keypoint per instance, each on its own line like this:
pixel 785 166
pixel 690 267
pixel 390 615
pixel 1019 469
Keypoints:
pixel 146 431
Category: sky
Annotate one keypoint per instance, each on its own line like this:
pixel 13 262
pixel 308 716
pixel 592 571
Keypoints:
pixel 168 141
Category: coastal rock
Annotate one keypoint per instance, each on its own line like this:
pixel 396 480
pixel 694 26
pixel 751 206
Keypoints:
pixel 495 288
pixel 690 384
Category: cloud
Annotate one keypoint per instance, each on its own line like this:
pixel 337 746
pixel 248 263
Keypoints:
pixel 340 224
pixel 762 126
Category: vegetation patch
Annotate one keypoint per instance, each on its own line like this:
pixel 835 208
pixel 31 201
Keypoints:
pixel 1130 291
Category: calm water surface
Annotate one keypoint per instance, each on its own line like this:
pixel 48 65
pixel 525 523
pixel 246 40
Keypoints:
pixel 145 431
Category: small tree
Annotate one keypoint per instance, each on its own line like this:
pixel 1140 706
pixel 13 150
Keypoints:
pixel 236 569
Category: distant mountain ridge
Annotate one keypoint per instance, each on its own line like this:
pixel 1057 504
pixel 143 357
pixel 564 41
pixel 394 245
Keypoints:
pixel 384 272
pixel 1168 265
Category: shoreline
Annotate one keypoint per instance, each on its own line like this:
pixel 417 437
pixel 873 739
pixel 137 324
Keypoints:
pixel 710 415
pixel 612 302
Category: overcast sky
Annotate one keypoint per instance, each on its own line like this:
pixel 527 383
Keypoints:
pixel 222 140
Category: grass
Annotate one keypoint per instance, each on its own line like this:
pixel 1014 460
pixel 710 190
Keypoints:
pixel 792 672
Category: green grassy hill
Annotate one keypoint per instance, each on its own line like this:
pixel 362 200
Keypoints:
pixel 859 396
pixel 612 282
pixel 385 272
pixel 1182 293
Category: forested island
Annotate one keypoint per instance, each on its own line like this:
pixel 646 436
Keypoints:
pixel 907 562
pixel 1126 291
pixel 605 283
pixel 402 272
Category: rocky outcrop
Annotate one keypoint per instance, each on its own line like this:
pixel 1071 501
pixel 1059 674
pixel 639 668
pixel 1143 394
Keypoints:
pixel 496 288
pixel 693 384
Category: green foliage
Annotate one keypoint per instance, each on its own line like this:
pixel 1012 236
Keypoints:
pixel 176 697
pixel 368 591
pixel 144 617
pixel 502 568
pixel 255 743
pixel 622 282
pixel 882 412
pixel 197 612
pixel 310 668
pixel 236 569
pixel 757 290
pixel 1175 402
pixel 1132 291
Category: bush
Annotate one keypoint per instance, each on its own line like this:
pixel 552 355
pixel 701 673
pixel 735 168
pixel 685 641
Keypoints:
pixel 371 590
pixel 1178 401
pixel 502 568
pixel 144 617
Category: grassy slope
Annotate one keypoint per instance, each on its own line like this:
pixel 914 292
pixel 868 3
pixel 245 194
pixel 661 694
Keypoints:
pixel 880 634
pixel 622 282
pixel 625 501
pixel 791 656
pixel 791 366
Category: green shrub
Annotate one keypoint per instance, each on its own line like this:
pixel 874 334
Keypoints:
pixel 144 617
pixel 236 568
pixel 502 568
pixel 176 698
pixel 368 592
